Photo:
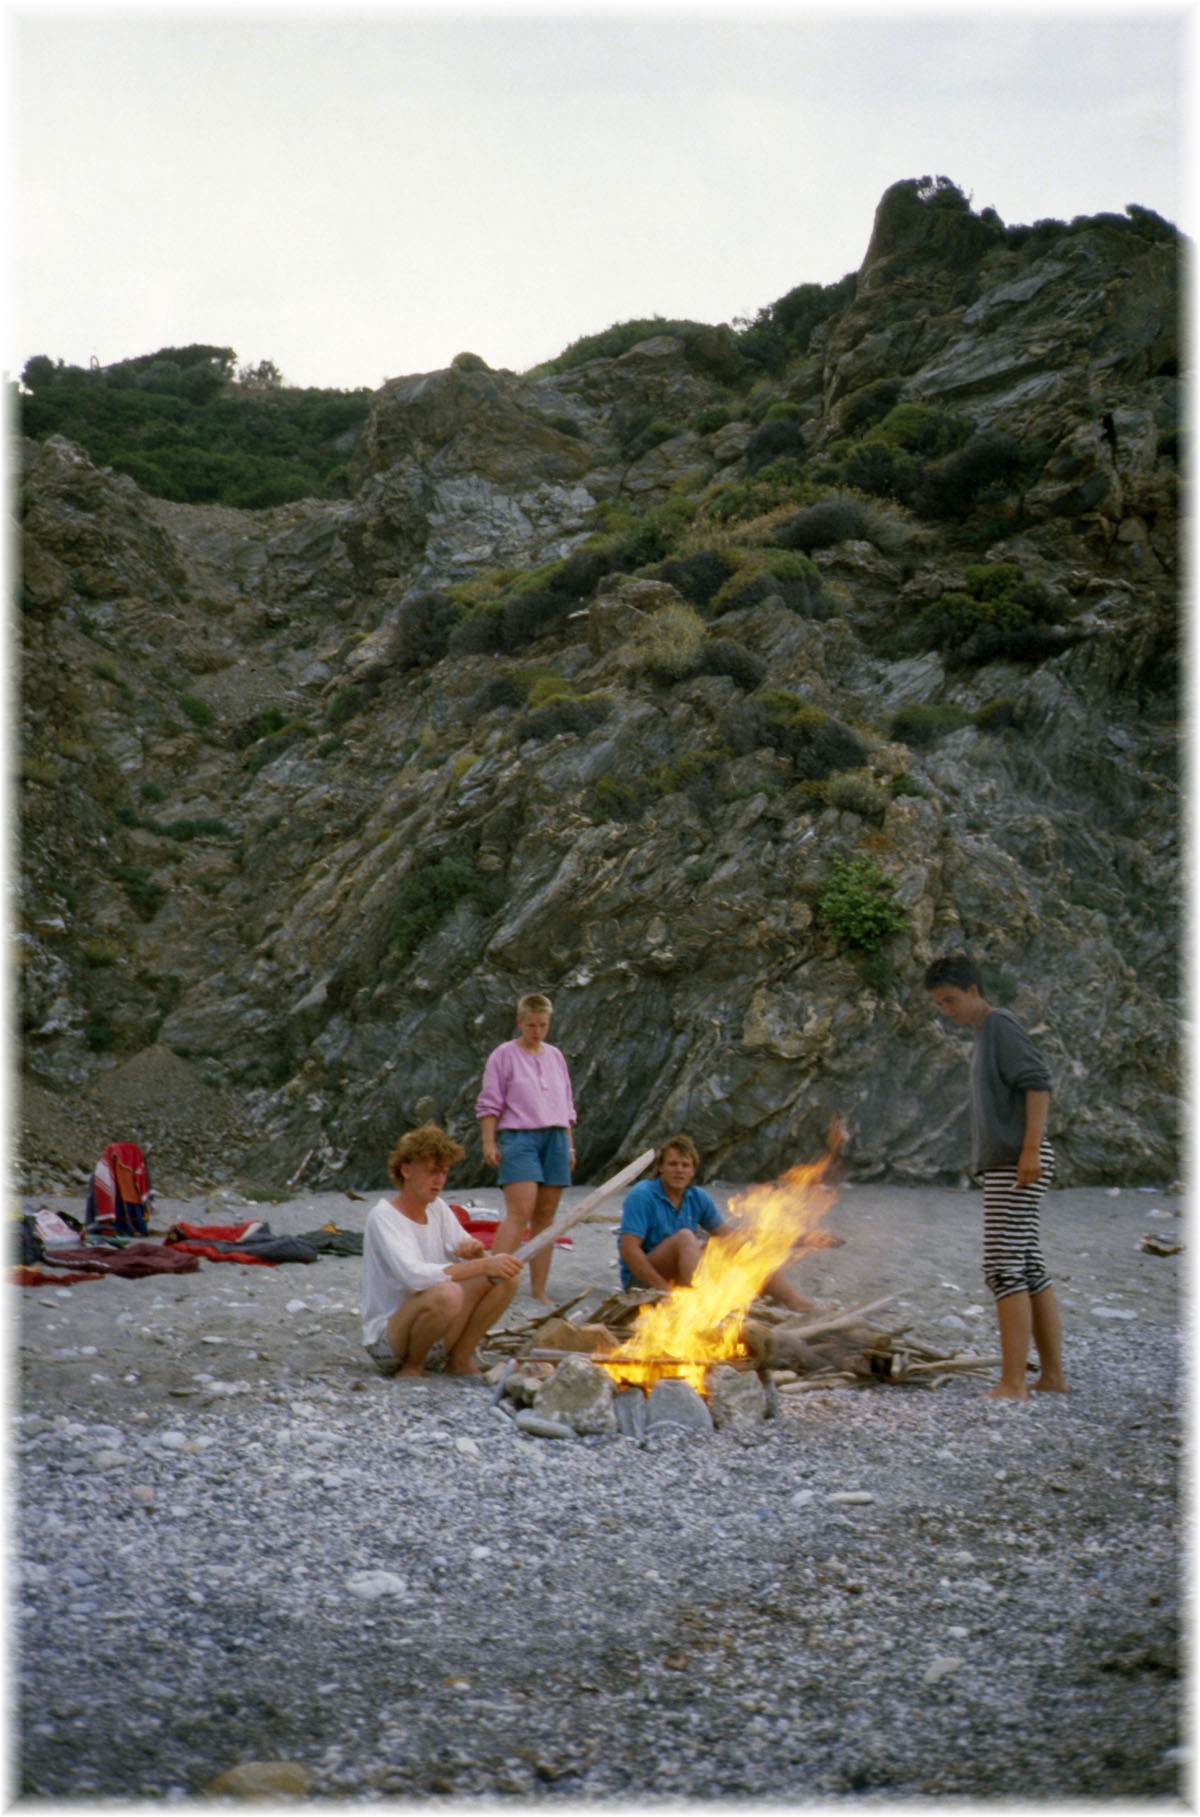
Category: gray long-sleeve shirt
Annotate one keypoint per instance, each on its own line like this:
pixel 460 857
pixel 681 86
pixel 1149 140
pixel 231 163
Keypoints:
pixel 1005 1064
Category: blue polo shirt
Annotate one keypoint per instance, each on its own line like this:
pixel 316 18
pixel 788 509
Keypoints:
pixel 648 1213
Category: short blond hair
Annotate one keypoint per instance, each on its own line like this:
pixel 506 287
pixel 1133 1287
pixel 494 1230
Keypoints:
pixel 534 1004
pixel 428 1143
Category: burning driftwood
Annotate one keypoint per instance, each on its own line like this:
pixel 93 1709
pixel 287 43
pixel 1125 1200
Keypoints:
pixel 796 1353
pixel 643 1336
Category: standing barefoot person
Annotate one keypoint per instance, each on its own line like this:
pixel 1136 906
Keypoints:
pixel 424 1278
pixel 526 1115
pixel 1010 1101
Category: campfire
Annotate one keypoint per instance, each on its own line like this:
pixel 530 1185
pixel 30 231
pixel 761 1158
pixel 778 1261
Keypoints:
pixel 722 1322
pixel 691 1328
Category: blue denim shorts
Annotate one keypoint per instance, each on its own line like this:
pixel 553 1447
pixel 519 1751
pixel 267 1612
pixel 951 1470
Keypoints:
pixel 543 1155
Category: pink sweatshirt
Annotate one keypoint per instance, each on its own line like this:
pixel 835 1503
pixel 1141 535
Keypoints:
pixel 526 1091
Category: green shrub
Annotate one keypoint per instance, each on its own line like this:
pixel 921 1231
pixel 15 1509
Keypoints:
pixel 784 574
pixel 578 716
pixel 785 328
pixel 612 800
pixel 698 576
pixel 950 488
pixel 479 633
pixel 922 724
pixel 867 405
pixel 674 775
pixel 98 1031
pixel 995 715
pixel 817 743
pixel 834 520
pixel 612 342
pixel 725 656
pixel 639 430
pixel 998 614
pixel 543 686
pixel 144 891
pixel 531 615
pixel 344 705
pixel 712 419
pixel 99 952
pixel 858 907
pixel 878 971
pixel 429 895
pixel 858 792
pixel 736 501
pixel 775 438
pixel 499 690
pixel 198 711
pixel 654 535
pixel 874 466
pixel 923 429
pixel 205 826
pixel 423 625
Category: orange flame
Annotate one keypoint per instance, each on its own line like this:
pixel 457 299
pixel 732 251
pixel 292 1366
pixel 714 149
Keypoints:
pixel 696 1326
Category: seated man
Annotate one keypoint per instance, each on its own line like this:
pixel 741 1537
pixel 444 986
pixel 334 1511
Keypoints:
pixel 423 1277
pixel 659 1240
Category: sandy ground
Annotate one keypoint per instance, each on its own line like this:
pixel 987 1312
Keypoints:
pixel 230 1328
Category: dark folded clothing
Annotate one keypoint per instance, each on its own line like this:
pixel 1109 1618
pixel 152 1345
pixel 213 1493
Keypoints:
pixel 329 1240
pixel 130 1259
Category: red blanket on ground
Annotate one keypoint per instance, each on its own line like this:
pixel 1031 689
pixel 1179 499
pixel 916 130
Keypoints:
pixel 485 1229
pixel 24 1274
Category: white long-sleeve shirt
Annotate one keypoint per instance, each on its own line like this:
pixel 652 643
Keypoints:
pixel 402 1257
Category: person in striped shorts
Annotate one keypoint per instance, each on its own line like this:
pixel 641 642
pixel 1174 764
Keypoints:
pixel 1010 1103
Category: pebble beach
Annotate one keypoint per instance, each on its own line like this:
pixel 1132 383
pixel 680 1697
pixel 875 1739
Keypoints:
pixel 245 1564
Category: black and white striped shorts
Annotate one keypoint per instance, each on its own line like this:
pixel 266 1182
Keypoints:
pixel 1012 1255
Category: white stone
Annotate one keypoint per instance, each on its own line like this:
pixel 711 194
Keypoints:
pixel 371 1585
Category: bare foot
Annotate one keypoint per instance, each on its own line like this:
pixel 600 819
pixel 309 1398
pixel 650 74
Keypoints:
pixel 543 1299
pixel 411 1369
pixel 466 1369
pixel 1001 1393
pixel 1055 1384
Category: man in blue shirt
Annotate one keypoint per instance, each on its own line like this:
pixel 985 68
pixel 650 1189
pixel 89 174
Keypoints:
pixel 666 1221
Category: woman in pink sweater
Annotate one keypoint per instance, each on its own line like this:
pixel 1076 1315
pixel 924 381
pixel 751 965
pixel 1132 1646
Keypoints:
pixel 526 1117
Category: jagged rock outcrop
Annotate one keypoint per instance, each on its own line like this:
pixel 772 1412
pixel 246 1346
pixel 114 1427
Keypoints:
pixel 310 795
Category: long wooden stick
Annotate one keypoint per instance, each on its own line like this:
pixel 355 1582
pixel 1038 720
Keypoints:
pixel 946 1364
pixel 817 1327
pixel 578 1212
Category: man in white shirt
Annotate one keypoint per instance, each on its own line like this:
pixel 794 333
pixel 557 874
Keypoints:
pixel 424 1278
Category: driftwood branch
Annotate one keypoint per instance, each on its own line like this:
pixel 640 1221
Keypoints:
pixel 837 1321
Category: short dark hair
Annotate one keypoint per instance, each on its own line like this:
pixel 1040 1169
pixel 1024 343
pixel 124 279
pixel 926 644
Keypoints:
pixel 958 969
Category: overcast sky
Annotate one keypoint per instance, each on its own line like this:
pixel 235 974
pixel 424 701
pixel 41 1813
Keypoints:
pixel 356 198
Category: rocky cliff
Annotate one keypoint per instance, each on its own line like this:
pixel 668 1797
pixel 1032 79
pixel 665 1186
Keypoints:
pixel 712 700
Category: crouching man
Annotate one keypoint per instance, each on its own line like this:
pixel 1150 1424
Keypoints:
pixel 665 1223
pixel 424 1278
